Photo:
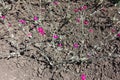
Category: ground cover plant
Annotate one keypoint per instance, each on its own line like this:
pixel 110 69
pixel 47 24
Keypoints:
pixel 59 40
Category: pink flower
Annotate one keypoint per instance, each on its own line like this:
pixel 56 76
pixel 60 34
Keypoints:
pixel 78 20
pixel 22 21
pixel 89 55
pixel 84 7
pixel 41 31
pixel 9 24
pixel 35 18
pixel 118 35
pixel 83 77
pixel 55 36
pixel 60 44
pixel 86 22
pixel 91 30
pixel 29 34
pixel 2 17
pixel 76 10
pixel 80 9
pixel 55 3
pixel 32 26
pixel 113 30
pixel 76 45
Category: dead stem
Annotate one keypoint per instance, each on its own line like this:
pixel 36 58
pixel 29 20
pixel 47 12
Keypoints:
pixel 3 3
pixel 28 8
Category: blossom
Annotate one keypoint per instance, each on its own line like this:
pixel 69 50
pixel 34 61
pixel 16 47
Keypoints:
pixel 35 18
pixel 29 34
pixel 76 45
pixel 84 7
pixel 113 30
pixel 60 44
pixel 32 26
pixel 9 24
pixel 80 9
pixel 91 30
pixel 76 10
pixel 89 55
pixel 55 2
pixel 55 36
pixel 86 22
pixel 41 31
pixel 83 77
pixel 118 35
pixel 78 20
pixel 22 21
pixel 2 17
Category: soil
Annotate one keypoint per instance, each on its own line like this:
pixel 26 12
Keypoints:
pixel 39 58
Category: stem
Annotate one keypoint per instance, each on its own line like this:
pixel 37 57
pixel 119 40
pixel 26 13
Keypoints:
pixel 40 8
pixel 28 9
pixel 82 18
pixel 3 3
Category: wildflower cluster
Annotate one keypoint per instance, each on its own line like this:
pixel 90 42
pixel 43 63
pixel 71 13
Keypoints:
pixel 55 37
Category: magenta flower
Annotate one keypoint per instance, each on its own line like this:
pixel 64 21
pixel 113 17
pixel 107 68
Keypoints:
pixel 78 20
pixel 80 9
pixel 22 21
pixel 55 36
pixel 76 45
pixel 60 45
pixel 55 3
pixel 76 10
pixel 91 30
pixel 35 18
pixel 2 17
pixel 118 35
pixel 113 30
pixel 41 31
pixel 83 77
pixel 84 7
pixel 86 22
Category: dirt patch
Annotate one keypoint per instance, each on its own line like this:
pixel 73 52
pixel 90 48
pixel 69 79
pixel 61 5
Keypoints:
pixel 27 69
